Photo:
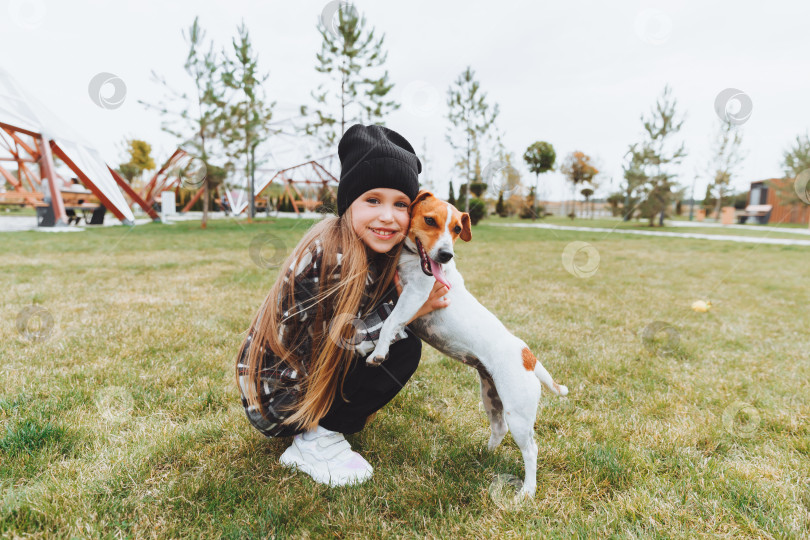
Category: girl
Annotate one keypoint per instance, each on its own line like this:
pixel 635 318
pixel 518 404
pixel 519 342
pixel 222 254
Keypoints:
pixel 301 369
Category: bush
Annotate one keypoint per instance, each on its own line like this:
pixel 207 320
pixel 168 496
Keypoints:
pixel 478 188
pixel 286 204
pixel 539 211
pixel 526 210
pixel 328 203
pixel 741 200
pixel 478 210
pixel 500 207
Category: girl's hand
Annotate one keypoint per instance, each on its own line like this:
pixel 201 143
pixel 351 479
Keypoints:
pixel 436 300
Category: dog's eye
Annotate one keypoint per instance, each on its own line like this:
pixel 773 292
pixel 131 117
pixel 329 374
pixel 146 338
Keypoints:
pixel 430 221
pixel 457 229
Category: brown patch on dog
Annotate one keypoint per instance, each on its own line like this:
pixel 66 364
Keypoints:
pixel 529 361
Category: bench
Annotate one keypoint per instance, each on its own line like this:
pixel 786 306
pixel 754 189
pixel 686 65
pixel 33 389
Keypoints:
pixel 754 210
pixel 75 201
pixel 80 198
pixel 84 202
pixel 18 198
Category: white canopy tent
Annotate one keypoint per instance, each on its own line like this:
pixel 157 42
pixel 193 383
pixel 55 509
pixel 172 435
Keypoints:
pixel 20 110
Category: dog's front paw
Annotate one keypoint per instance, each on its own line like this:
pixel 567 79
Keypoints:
pixel 376 360
pixel 377 357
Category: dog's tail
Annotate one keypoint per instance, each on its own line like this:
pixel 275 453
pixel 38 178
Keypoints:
pixel 548 382
pixel 531 363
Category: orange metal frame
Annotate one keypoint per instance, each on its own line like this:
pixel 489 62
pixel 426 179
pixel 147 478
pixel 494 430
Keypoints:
pixel 35 152
pixel 40 151
pixel 162 180
pixel 284 175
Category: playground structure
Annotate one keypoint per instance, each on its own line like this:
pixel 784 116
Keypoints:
pixel 183 170
pixel 292 177
pixel 180 169
pixel 61 175
pixel 31 137
pixel 58 197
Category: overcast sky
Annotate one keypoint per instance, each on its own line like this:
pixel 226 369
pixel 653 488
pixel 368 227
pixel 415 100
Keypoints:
pixel 576 74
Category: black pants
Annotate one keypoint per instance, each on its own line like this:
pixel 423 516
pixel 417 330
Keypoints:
pixel 369 388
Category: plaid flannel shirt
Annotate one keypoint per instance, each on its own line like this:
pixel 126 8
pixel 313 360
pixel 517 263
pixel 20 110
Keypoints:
pixel 280 384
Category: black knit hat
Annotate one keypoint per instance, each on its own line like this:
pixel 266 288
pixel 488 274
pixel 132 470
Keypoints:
pixel 375 157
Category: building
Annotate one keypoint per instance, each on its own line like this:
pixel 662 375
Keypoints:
pixel 775 201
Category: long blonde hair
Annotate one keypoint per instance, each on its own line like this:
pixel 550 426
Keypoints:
pixel 331 357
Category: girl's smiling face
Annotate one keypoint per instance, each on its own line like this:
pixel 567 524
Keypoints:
pixel 380 217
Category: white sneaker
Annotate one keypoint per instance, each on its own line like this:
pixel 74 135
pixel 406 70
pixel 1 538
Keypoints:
pixel 327 457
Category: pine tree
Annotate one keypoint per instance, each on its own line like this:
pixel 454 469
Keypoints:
pixel 796 163
pixel 452 197
pixel 647 170
pixel 797 157
pixel 634 178
pixel 462 196
pixel 199 114
pixel 470 118
pixel 347 56
pixel 727 157
pixel 245 117
pixel 499 206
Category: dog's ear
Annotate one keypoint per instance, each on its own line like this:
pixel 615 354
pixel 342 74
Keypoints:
pixel 466 232
pixel 421 196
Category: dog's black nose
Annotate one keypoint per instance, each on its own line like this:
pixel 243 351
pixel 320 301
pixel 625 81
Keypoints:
pixel 444 256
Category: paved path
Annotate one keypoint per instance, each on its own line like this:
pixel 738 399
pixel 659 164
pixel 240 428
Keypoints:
pixel 704 224
pixel 723 237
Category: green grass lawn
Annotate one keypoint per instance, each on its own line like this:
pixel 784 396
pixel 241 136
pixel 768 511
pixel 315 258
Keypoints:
pixel 16 211
pixel 125 420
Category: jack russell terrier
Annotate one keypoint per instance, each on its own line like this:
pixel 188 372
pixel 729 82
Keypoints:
pixel 465 330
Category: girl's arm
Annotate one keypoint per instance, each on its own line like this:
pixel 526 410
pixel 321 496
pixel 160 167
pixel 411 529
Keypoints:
pixel 305 293
pixel 435 301
pixel 371 326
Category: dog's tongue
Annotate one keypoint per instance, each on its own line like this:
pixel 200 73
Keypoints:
pixel 438 273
